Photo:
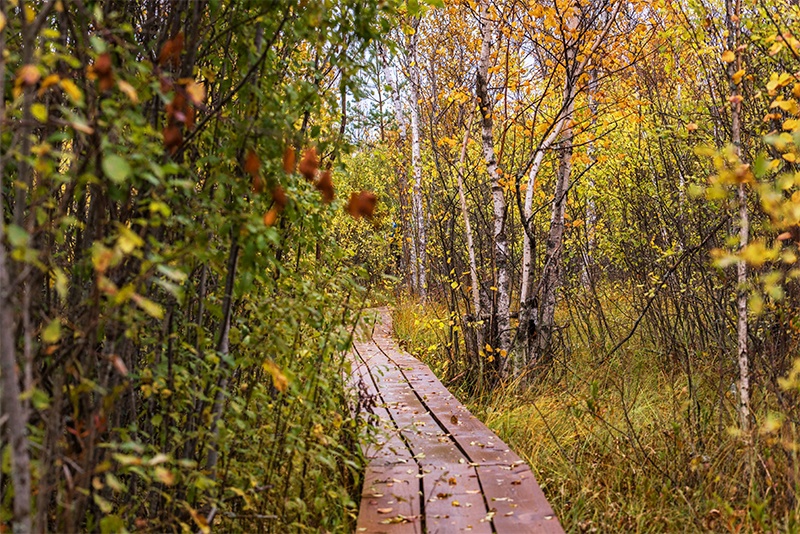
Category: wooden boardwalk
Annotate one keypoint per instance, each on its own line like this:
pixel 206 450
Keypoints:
pixel 433 467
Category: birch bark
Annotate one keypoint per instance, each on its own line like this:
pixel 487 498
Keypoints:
pixel 733 10
pixel 418 255
pixel 485 105
pixel 408 263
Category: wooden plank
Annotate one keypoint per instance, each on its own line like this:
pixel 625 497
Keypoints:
pixel 465 478
pixel 390 501
pixel 453 498
pixel 517 500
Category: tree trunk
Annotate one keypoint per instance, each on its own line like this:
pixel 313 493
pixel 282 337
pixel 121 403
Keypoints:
pixel 418 255
pixel 732 16
pixel 485 104
pixel 591 210
pixel 407 260
pixel 475 289
pixel 551 272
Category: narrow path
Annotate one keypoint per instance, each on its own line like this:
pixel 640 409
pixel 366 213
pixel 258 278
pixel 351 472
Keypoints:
pixel 433 466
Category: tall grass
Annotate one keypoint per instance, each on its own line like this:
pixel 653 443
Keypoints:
pixel 634 445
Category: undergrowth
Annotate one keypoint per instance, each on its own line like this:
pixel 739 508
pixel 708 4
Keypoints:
pixel 633 445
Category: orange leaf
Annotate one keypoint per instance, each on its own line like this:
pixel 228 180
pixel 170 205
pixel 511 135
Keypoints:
pixel 279 196
pixel 325 186
pixel 271 216
pixel 171 51
pixel 362 204
pixel 252 163
pixel 309 164
pixel 172 138
pixel 28 75
pixel 258 184
pixel 289 160
pixel 102 65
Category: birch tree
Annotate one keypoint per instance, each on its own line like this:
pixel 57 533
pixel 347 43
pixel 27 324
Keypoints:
pixel 418 255
pixel 501 313
pixel 733 9
pixel 541 319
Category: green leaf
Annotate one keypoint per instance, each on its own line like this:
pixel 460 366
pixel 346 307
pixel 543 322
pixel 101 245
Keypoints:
pixel 103 504
pixel 39 112
pixel 116 168
pixel 150 308
pixel 413 7
pixel 52 332
pixel 17 236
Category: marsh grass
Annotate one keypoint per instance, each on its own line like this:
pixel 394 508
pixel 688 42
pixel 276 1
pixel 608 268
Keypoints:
pixel 634 445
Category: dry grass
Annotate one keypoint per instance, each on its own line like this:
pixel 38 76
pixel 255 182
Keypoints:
pixel 632 447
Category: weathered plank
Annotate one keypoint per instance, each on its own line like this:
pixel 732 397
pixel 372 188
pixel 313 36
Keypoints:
pixel 465 478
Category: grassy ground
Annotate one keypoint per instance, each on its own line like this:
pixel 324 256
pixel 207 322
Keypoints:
pixel 633 446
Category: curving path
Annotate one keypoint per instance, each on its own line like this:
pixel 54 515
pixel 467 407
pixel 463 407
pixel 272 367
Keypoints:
pixel 433 466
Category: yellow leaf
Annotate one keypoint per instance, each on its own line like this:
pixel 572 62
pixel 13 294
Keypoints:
pixel 129 91
pixel 72 90
pixel 150 308
pixel 2 22
pixel 39 112
pixel 196 92
pixel 199 520
pixel 791 124
pixel 165 476
pixel 738 75
pixel 728 56
pixel 52 332
pixel 279 380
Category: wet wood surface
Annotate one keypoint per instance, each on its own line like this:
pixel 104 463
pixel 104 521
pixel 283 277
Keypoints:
pixel 433 466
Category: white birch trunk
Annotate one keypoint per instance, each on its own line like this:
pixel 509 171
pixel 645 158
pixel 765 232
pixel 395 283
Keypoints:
pixel 419 256
pixel 409 259
pixel 733 14
pixel 475 289
pixel 551 274
pixel 485 105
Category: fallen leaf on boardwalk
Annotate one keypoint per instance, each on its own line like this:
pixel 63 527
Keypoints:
pixel 452 481
pixel 385 510
pixel 443 495
pixel 454 419
pixel 516 482
pixel 455 503
pixel 473 492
